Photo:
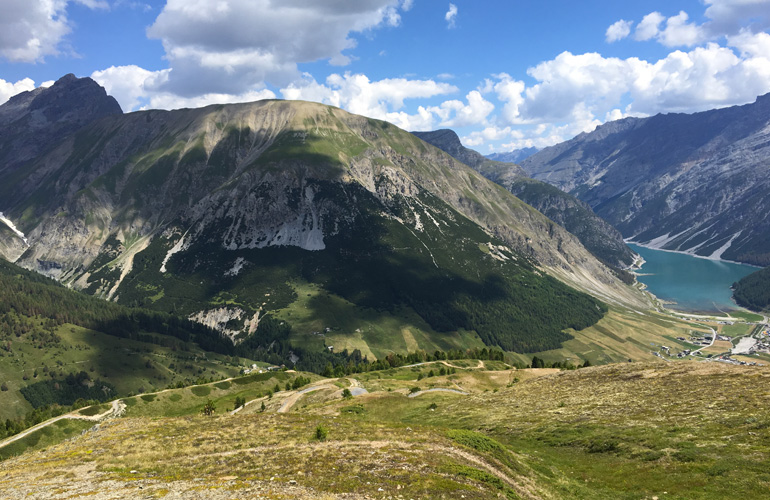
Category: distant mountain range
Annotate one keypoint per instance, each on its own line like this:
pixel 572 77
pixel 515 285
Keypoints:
pixel 321 218
pixel 515 156
pixel 599 237
pixel 697 183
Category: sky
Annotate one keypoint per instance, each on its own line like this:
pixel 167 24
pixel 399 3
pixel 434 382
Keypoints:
pixel 504 74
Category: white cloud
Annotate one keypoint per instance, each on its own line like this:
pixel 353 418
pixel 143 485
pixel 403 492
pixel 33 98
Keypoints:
pixel 455 113
pixel 729 17
pixel 750 44
pixel 227 47
pixel 30 30
pixel 138 88
pixel 451 16
pixel 575 93
pixel 8 89
pixel 726 18
pixel 510 92
pixel 679 32
pixel 618 31
pixel 649 27
pixel 382 99
pixel 94 4
pixel 132 86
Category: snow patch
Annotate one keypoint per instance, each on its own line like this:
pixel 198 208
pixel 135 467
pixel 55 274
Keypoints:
pixel 13 228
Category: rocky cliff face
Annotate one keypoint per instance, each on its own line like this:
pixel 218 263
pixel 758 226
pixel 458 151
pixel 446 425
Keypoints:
pixel 696 183
pixel 599 237
pixel 227 208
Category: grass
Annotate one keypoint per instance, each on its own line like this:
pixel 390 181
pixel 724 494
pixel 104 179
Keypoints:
pixel 620 336
pixel 747 316
pixel 626 431
pixel 375 333
pixel 42 438
pixel 131 366
pixel 190 400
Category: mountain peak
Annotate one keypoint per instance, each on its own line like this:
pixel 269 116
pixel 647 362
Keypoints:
pixel 33 121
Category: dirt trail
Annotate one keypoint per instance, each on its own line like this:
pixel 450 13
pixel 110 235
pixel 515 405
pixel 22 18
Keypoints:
pixel 116 410
pixel 291 400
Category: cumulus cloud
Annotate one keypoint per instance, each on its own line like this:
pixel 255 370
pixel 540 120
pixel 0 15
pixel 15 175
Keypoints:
pixel 226 47
pixel 575 93
pixel 138 88
pixel 451 16
pixel 729 17
pixel 649 27
pixel 618 31
pixel 725 18
pixel 8 89
pixel 382 99
pixel 32 29
pixel 455 113
pixel 679 32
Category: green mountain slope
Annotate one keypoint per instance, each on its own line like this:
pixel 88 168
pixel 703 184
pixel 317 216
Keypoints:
pixel 48 333
pixel 753 291
pixel 227 213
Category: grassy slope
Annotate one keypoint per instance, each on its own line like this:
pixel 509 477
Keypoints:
pixel 687 430
pixel 128 364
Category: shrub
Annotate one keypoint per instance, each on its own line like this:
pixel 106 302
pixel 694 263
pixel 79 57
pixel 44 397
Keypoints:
pixel 321 432
pixel 209 408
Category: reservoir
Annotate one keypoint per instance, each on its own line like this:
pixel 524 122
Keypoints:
pixel 692 284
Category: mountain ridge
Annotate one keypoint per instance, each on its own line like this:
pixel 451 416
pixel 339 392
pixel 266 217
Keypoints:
pixel 601 239
pixel 137 207
pixel 695 183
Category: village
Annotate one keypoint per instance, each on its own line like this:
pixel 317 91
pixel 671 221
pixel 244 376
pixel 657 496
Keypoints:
pixel 720 347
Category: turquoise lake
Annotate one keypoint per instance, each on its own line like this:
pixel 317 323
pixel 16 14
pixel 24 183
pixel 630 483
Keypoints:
pixel 691 283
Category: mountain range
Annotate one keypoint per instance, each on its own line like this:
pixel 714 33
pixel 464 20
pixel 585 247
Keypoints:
pixel 696 183
pixel 329 221
pixel 599 237
pixel 515 156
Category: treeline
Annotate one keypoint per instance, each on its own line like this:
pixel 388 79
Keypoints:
pixel 29 294
pixel 66 391
pixel 270 343
pixel 562 365
pixel 753 291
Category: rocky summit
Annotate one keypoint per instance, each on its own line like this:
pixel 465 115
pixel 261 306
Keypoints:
pixel 696 183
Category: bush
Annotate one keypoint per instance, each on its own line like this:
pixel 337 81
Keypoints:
pixel 321 432
pixel 209 408
pixel 346 394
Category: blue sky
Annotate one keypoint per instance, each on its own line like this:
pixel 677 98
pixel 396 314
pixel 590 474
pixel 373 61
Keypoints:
pixel 503 73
